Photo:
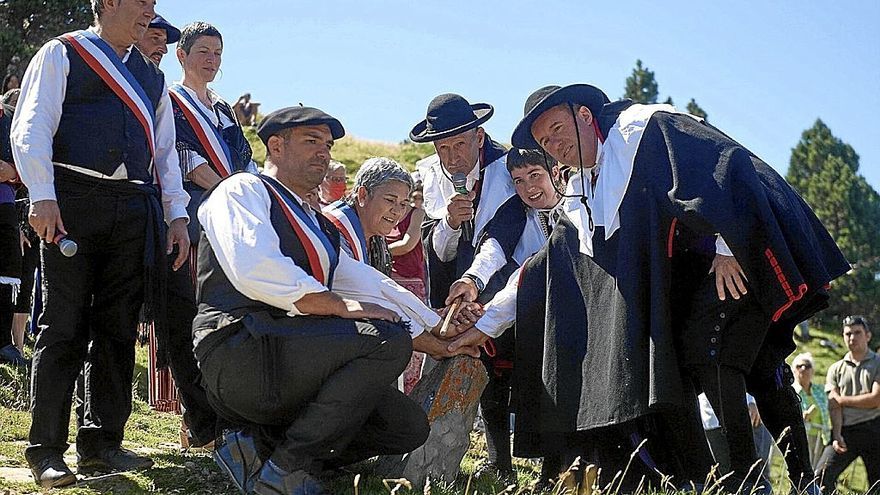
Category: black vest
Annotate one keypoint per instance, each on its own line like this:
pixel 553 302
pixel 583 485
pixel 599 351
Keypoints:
pixel 97 130
pixel 218 301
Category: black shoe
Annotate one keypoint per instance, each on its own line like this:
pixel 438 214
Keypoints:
pixel 10 354
pixel 492 470
pixel 52 472
pixel 112 460
pixel 273 480
pixel 236 454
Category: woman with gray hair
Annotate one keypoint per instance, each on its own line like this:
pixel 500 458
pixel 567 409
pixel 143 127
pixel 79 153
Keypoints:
pixel 377 202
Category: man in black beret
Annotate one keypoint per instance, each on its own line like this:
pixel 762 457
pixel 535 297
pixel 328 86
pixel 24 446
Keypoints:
pixel 299 345
pixel 687 250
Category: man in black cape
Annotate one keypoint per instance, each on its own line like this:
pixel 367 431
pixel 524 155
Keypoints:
pixel 620 298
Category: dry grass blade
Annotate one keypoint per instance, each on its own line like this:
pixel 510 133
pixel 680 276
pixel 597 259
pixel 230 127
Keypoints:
pixel 357 481
pixel 398 483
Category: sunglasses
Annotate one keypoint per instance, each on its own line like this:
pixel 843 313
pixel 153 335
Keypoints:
pixel 804 366
pixel 338 180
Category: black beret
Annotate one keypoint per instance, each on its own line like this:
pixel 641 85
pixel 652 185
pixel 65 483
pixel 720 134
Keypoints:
pixel 284 118
pixel 171 32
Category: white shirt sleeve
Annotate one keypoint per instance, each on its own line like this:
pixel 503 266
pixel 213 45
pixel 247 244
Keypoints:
pixel 237 224
pixel 174 198
pixel 500 312
pixel 721 247
pixel 445 240
pixel 361 282
pixel 489 259
pixel 36 119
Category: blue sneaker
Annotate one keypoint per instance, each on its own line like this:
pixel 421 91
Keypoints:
pixel 10 354
pixel 236 454
pixel 275 481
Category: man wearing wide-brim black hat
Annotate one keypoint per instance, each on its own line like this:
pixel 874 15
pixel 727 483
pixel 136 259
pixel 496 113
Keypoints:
pixel 474 220
pixel 685 250
pixel 298 343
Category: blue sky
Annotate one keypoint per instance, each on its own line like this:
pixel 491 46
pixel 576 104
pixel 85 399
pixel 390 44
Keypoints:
pixel 764 71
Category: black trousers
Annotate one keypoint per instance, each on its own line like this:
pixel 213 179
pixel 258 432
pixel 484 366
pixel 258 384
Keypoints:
pixel 10 266
pixel 95 294
pixel 180 312
pixel 322 385
pixel 495 401
pixel 862 440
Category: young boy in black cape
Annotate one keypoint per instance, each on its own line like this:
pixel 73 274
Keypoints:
pixel 624 291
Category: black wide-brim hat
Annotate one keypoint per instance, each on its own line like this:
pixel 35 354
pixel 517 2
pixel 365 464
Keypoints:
pixel 171 32
pixel 450 114
pixel 284 118
pixel 548 97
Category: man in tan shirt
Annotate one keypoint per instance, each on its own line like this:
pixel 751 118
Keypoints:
pixel 853 386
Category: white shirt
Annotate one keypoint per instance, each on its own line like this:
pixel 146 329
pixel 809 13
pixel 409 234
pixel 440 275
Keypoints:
pixel 707 414
pixel 36 120
pixel 236 219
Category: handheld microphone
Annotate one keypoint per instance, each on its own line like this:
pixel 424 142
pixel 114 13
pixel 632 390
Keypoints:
pixel 459 181
pixel 68 247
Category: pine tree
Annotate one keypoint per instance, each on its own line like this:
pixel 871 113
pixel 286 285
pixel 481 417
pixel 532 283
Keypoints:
pixel 26 24
pixel 641 87
pixel 824 170
pixel 694 109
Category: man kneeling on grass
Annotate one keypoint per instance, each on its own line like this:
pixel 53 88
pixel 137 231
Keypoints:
pixel 299 345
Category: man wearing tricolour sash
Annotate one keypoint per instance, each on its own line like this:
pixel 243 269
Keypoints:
pixel 300 345
pixel 94 143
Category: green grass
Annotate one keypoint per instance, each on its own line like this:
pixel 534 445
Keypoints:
pixel 352 151
pixel 156 434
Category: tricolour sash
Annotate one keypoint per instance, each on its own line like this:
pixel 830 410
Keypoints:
pixel 109 67
pixel 322 257
pixel 219 156
pixel 346 220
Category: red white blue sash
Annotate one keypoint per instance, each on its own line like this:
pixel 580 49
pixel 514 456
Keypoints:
pixel 322 257
pixel 102 59
pixel 346 220
pixel 208 134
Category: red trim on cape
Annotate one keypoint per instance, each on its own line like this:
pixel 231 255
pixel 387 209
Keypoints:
pixel 783 282
pixel 671 237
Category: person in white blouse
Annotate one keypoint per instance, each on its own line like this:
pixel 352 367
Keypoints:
pixel 293 333
pixel 93 139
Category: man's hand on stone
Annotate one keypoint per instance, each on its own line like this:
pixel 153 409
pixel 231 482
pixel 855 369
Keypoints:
pixel 460 209
pixel 729 275
pixel 177 234
pixel 468 342
pixel 467 314
pixel 45 218
pixel 466 288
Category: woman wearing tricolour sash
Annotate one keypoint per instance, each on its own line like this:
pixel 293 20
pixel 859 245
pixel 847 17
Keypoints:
pixel 211 146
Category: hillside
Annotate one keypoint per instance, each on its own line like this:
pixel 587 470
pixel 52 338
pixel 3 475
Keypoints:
pixel 352 151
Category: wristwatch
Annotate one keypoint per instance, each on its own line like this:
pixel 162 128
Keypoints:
pixel 477 282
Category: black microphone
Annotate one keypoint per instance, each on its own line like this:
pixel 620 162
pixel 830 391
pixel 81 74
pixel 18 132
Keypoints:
pixel 459 181
pixel 68 247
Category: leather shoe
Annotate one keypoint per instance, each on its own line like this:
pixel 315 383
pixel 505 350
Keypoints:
pixel 112 460
pixel 236 454
pixel 273 480
pixel 52 472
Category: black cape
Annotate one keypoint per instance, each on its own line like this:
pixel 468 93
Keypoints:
pixel 605 325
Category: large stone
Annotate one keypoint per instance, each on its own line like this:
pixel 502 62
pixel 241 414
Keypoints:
pixel 449 395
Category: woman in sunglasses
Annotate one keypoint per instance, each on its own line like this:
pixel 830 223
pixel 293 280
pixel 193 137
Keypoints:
pixel 814 405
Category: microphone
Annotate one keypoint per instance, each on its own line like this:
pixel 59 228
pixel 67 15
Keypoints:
pixel 68 247
pixel 459 181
